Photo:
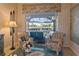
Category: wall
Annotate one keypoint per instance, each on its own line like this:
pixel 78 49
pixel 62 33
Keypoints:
pixel 4 20
pixel 64 22
pixel 20 18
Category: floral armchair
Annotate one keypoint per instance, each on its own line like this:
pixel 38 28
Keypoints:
pixel 56 42
pixel 23 39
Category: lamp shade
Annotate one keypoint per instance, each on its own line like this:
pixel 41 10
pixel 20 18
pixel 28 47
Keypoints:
pixel 12 24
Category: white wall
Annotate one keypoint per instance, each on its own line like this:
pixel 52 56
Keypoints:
pixel 20 18
pixel 64 22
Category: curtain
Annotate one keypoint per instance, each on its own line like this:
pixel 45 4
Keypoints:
pixel 45 7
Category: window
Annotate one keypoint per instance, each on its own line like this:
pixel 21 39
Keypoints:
pixel 42 24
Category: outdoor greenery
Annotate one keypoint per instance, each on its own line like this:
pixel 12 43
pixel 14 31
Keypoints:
pixel 41 25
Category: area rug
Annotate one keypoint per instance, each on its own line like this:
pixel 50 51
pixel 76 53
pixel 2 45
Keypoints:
pixel 38 50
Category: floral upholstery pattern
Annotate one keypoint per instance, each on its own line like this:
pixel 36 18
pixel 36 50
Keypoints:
pixel 56 42
pixel 24 39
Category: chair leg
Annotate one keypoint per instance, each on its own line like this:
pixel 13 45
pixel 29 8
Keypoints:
pixel 57 53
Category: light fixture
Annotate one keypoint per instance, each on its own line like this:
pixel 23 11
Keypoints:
pixel 12 25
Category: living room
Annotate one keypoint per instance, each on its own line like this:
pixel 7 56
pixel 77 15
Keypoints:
pixel 19 13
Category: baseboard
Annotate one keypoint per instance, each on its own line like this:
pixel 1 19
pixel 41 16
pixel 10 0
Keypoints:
pixel 75 48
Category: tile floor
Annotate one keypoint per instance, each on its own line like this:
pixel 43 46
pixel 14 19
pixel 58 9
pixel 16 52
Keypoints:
pixel 68 52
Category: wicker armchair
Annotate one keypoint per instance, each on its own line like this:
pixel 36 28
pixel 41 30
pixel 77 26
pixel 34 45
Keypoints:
pixel 56 42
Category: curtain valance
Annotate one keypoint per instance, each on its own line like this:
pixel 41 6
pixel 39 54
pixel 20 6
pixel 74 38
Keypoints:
pixel 43 7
